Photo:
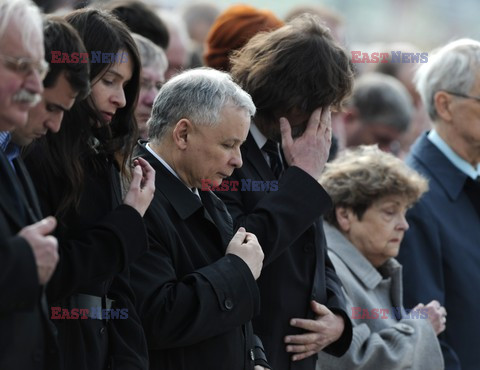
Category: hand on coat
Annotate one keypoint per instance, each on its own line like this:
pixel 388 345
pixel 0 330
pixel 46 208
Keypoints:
pixel 44 246
pixel 309 151
pixel 245 245
pixel 142 187
pixel 258 367
pixel 437 315
pixel 324 330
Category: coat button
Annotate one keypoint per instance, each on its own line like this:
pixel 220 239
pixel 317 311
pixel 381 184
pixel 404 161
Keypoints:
pixel 404 328
pixel 307 248
pixel 228 304
pixel 102 330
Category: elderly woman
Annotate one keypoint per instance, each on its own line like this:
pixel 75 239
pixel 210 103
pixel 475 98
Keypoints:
pixel 152 77
pixel 371 192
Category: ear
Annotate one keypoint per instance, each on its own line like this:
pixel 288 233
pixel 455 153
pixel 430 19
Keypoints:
pixel 344 216
pixel 442 102
pixel 180 133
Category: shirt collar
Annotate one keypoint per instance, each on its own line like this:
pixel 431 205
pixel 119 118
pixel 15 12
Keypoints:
pixel 453 157
pixel 10 149
pixel 260 139
pixel 170 169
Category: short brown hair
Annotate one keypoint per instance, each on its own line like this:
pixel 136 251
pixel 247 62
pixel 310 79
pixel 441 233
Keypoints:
pixel 360 176
pixel 298 66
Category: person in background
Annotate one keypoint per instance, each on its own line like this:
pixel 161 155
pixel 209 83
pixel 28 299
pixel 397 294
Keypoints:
pixel 152 77
pixel 178 51
pixel 77 179
pixel 440 252
pixel 378 112
pixel 199 18
pixel 330 17
pixel 232 30
pixel 142 19
pixel 371 191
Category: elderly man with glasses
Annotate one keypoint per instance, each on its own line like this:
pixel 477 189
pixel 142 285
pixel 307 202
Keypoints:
pixel 441 251
pixel 28 254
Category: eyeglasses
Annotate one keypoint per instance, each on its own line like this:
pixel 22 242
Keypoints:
pixel 465 96
pixel 25 66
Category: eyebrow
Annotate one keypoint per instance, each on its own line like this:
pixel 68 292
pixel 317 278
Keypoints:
pixel 119 75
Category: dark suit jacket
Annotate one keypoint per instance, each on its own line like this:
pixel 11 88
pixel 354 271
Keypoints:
pixel 96 244
pixel 195 301
pixel 287 222
pixel 440 253
pixel 27 338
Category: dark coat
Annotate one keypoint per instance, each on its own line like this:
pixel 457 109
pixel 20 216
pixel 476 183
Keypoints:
pixel 195 302
pixel 440 253
pixel 27 337
pixel 287 222
pixel 96 243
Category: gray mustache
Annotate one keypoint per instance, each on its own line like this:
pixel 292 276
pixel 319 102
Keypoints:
pixel 24 96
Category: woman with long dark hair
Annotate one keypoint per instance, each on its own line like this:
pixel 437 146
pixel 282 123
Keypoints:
pixel 78 181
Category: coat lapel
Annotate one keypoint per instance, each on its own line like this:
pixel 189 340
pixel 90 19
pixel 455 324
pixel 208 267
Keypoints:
pixel 10 199
pixel 252 153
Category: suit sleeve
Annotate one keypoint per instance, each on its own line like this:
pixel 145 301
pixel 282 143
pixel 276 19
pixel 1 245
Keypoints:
pixel 128 346
pixel 19 283
pixel 423 276
pixel 336 302
pixel 411 343
pixel 281 216
pixel 178 312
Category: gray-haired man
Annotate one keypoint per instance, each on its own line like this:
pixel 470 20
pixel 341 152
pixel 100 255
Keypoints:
pixel 196 286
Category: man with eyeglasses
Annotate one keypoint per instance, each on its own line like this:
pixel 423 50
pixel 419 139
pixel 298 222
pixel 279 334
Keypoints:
pixel 28 254
pixel 440 253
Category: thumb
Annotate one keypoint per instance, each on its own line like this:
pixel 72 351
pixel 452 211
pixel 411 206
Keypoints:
pixel 137 177
pixel 286 132
pixel 45 226
pixel 239 236
pixel 320 309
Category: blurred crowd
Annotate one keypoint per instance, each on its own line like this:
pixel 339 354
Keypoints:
pixel 121 249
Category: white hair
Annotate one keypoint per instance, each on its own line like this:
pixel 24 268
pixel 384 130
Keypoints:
pixel 26 14
pixel 453 67
pixel 150 54
pixel 199 95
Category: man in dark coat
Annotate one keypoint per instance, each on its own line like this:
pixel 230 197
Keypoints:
pixel 196 286
pixel 440 253
pixel 296 72
pixel 28 255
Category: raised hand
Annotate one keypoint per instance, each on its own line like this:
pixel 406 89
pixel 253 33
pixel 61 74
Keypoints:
pixel 245 245
pixel 309 151
pixel 142 187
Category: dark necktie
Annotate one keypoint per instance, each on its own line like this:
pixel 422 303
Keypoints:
pixel 472 189
pixel 271 148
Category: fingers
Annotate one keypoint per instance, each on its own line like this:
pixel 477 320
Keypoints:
pixel 286 132
pixel 314 121
pixel 304 339
pixel 137 177
pixel 304 355
pixel 45 226
pixel 320 309
pixel 309 325
pixel 239 236
pixel 250 237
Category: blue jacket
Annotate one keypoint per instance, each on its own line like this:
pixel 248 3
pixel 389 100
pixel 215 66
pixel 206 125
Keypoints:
pixel 441 254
